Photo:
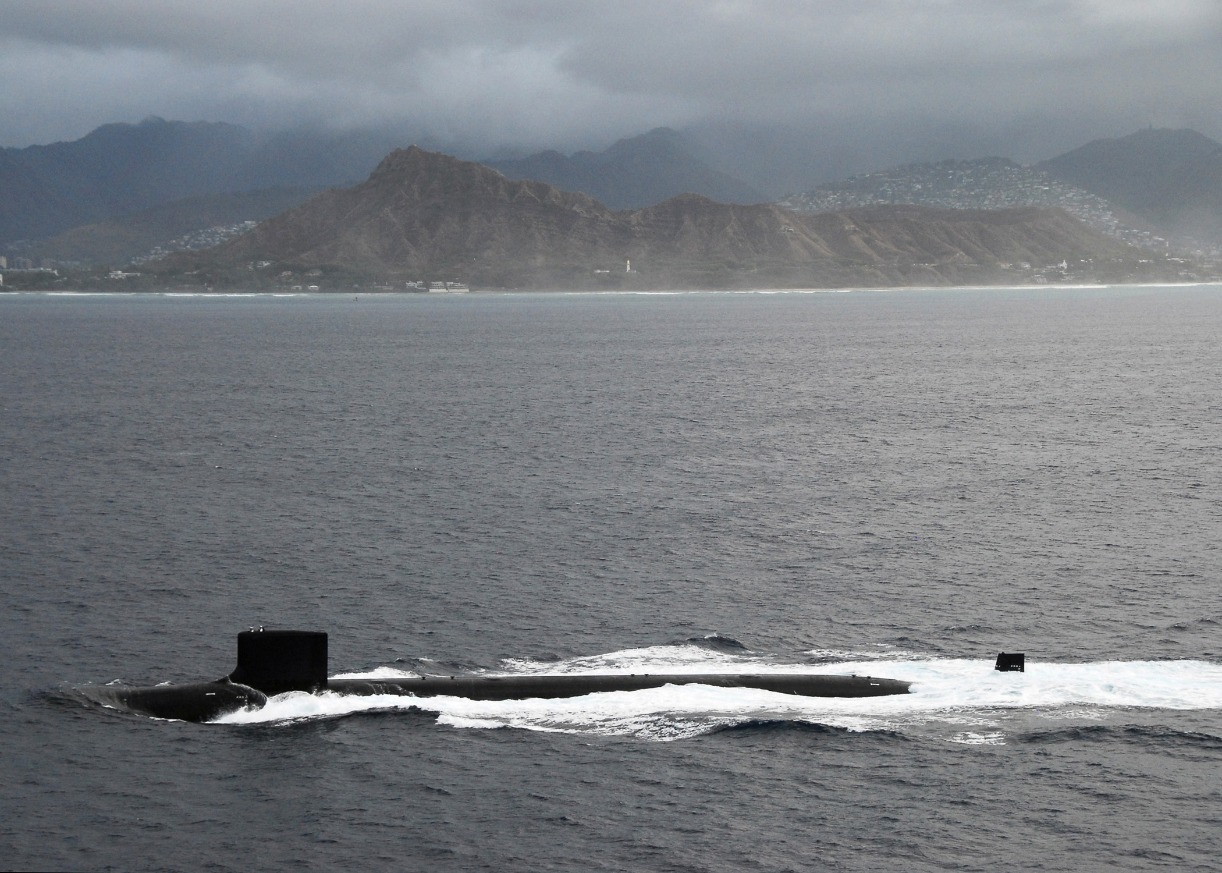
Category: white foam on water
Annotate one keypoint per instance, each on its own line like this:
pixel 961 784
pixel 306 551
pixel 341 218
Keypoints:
pixel 967 699
pixel 693 659
pixel 652 659
pixel 990 738
pixel 379 673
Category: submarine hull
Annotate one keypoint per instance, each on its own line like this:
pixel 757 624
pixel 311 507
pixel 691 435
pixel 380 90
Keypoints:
pixel 275 662
pixel 526 687
pixel 198 701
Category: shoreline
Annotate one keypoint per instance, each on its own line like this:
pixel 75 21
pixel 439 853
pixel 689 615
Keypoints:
pixel 660 292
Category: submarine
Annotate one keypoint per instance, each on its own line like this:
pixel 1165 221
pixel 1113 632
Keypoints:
pixel 272 662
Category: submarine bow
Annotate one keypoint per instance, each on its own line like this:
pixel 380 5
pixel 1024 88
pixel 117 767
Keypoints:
pixel 275 662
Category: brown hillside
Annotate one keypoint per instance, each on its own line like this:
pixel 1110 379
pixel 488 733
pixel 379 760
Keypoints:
pixel 426 216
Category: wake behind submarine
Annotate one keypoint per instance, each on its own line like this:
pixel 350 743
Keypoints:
pixel 273 662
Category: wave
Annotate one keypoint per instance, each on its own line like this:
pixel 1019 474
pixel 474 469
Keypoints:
pixel 752 727
pixel 716 642
pixel 1160 736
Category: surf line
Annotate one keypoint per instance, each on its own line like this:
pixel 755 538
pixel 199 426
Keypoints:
pixel 272 662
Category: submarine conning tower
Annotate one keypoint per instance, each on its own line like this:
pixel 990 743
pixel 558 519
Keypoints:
pixel 276 661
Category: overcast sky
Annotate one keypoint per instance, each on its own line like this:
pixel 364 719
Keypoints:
pixel 1039 75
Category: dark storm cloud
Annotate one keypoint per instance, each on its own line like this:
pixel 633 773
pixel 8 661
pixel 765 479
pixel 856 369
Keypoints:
pixel 562 73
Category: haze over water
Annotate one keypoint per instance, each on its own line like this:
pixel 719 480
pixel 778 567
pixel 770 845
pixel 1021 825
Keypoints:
pixel 895 483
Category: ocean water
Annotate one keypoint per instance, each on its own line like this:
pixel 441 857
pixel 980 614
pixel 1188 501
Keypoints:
pixel 894 483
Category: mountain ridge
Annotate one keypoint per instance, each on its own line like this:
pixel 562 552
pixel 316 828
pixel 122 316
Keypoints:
pixel 423 214
pixel 105 184
pixel 1170 178
pixel 633 172
pixel 120 169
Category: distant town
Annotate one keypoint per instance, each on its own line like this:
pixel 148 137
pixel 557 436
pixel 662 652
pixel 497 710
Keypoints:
pixel 200 239
pixel 988 183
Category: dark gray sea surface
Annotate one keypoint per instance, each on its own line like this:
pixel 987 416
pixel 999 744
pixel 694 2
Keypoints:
pixel 895 483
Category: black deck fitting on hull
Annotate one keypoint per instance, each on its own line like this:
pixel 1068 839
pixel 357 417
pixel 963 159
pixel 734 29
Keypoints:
pixel 1011 662
pixel 274 662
